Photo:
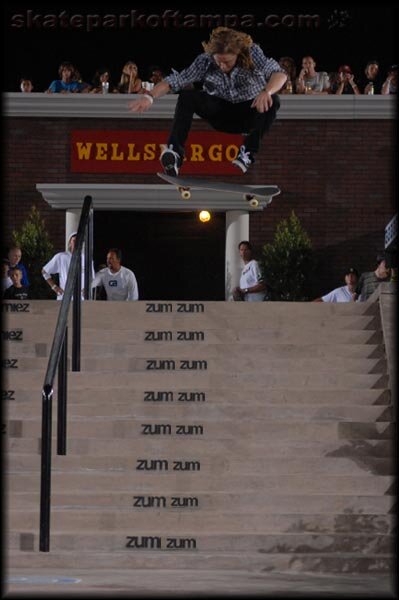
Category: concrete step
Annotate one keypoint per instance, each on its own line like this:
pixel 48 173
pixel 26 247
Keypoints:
pixel 200 380
pixel 210 464
pixel 246 521
pixel 140 541
pixel 156 429
pixel 201 362
pixel 251 561
pixel 196 481
pixel 161 399
pixel 203 349
pixel 206 412
pixel 357 450
pixel 262 501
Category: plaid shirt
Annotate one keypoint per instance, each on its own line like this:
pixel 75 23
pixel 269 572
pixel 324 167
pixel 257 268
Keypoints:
pixel 237 86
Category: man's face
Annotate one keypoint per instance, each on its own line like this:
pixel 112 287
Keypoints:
pixel 225 62
pixel 351 279
pixel 71 245
pixel 113 263
pixel 14 256
pixel 245 253
pixel 383 270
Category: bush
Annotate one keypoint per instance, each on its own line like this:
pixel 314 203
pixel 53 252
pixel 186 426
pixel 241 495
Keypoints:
pixel 288 262
pixel 37 250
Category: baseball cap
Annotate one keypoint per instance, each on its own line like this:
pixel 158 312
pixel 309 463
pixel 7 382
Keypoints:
pixel 352 270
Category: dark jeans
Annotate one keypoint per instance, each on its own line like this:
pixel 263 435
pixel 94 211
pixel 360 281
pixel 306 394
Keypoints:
pixel 222 116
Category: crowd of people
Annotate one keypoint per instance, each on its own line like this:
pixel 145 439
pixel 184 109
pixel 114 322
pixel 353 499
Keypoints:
pixel 302 79
pixel 114 282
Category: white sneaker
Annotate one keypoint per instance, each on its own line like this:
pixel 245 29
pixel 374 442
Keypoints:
pixel 171 161
pixel 243 160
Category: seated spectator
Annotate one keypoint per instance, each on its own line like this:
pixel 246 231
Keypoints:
pixel 16 291
pixel 390 85
pixel 14 260
pixel 155 75
pixel 25 85
pixel 370 280
pixel 119 282
pixel 130 83
pixel 60 264
pixel 252 286
pixel 345 293
pixel 289 66
pixel 68 82
pixel 5 279
pixel 345 83
pixel 101 82
pixel 371 82
pixel 311 81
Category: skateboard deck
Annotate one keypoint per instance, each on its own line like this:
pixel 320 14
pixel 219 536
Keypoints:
pixel 252 194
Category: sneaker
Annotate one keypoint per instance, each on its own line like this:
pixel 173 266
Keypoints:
pixel 243 160
pixel 171 161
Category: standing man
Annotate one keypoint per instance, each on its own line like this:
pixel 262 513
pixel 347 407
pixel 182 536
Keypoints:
pixel 345 293
pixel 239 87
pixel 252 286
pixel 119 282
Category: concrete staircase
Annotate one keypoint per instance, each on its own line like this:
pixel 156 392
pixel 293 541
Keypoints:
pixel 205 438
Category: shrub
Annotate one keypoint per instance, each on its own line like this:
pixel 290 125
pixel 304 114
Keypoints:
pixel 288 261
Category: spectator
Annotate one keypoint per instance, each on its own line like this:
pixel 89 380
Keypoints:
pixel 390 85
pixel 16 291
pixel 68 82
pixel 371 82
pixel 288 64
pixel 130 83
pixel 239 94
pixel 345 293
pixel 101 82
pixel 59 264
pixel 25 85
pixel 119 282
pixel 311 81
pixel 5 280
pixel 345 83
pixel 252 287
pixel 155 75
pixel 14 260
pixel 370 280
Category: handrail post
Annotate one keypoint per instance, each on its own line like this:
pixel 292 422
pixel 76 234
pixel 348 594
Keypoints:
pixel 88 256
pixel 62 397
pixel 76 319
pixel 45 482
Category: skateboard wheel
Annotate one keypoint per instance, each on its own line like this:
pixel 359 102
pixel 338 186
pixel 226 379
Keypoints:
pixel 186 195
pixel 254 203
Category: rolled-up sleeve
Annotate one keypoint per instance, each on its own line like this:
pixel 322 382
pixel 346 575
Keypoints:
pixel 195 72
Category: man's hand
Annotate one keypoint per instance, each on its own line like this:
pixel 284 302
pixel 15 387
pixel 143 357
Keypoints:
pixel 140 105
pixel 262 102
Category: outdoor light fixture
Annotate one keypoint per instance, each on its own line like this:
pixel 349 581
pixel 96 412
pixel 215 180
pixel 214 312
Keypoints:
pixel 204 216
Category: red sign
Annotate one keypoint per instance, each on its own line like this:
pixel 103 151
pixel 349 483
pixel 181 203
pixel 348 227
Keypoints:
pixel 138 151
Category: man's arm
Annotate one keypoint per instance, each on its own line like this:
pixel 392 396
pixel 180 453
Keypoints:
pixel 146 100
pixel 264 100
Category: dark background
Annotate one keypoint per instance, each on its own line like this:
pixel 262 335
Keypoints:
pixel 347 33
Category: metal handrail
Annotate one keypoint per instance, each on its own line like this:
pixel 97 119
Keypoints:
pixel 58 360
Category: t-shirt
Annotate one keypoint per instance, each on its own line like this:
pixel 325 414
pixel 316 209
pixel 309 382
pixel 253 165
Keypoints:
pixel 250 276
pixel 319 83
pixel 367 284
pixel 14 293
pixel 58 86
pixel 118 286
pixel 341 294
pixel 60 264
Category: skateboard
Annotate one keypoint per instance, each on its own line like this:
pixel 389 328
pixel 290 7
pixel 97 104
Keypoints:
pixel 252 194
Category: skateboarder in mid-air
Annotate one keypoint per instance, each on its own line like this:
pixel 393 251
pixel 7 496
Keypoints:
pixel 239 87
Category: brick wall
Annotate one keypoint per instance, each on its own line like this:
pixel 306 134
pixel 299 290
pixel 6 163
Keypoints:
pixel 337 176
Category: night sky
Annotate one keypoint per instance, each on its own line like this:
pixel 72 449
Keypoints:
pixel 38 37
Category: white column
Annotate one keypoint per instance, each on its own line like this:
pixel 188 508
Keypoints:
pixel 72 216
pixel 237 230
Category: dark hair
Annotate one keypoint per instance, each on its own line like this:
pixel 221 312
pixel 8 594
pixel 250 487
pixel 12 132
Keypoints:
pixel 247 244
pixel 117 252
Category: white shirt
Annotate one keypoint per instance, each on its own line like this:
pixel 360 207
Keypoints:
pixel 118 286
pixel 341 294
pixel 251 275
pixel 60 264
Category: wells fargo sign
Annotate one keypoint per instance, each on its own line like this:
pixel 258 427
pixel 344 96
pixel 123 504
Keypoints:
pixel 138 151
